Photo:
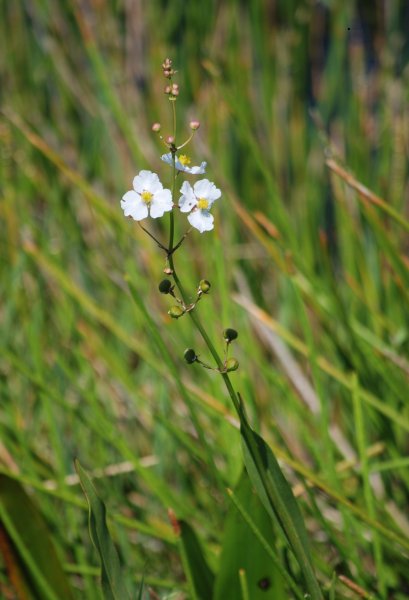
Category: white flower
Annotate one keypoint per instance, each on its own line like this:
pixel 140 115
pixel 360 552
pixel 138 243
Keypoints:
pixel 199 200
pixel 147 198
pixel 182 163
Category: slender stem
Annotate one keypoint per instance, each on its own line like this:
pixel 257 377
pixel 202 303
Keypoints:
pixel 180 242
pixel 161 246
pixel 172 218
pixel 204 334
pixel 187 141
pixel 174 118
pixel 217 476
pixel 183 293
pixel 248 436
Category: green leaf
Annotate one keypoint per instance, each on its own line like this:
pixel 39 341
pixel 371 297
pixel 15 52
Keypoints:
pixel 242 550
pixel 30 557
pixel 141 591
pixel 113 586
pixel 276 495
pixel 197 571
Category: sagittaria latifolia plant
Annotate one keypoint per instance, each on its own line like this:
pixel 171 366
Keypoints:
pixel 149 198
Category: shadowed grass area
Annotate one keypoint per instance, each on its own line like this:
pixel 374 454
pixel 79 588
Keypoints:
pixel 304 125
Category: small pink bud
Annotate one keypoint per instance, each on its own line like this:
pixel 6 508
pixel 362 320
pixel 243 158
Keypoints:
pixel 194 125
pixel 156 127
pixel 175 89
pixel 170 140
pixel 167 89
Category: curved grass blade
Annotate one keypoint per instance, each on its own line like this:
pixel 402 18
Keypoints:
pixel 242 551
pixel 33 558
pixel 277 497
pixel 198 573
pixel 113 586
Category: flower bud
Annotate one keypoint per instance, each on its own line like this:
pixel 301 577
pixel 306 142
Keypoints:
pixel 175 312
pixel 170 140
pixel 229 335
pixel 156 127
pixel 168 271
pixel 190 356
pixel 165 286
pixel 167 89
pixel 194 125
pixel 167 63
pixel 232 364
pixel 204 286
pixel 175 89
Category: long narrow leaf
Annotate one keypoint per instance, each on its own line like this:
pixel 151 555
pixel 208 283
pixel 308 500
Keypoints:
pixel 276 495
pixel 38 568
pixel 243 550
pixel 111 573
pixel 198 573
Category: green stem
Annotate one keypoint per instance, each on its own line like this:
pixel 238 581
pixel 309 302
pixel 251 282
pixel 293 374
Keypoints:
pixel 174 118
pixel 281 511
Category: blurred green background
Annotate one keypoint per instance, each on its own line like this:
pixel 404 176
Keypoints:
pixel 312 274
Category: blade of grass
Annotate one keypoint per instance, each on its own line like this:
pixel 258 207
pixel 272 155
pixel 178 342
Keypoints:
pixel 368 494
pixel 112 578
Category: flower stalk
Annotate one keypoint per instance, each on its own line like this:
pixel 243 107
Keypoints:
pixel 149 198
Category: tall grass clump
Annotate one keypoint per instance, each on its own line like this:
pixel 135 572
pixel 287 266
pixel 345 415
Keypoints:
pixel 268 464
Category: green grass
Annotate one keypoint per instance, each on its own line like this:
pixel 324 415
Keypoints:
pixel 309 268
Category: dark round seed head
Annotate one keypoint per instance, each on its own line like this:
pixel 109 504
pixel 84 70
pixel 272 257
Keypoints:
pixel 230 334
pixel 190 356
pixel 165 286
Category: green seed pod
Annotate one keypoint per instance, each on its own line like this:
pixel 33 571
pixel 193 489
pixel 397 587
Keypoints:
pixel 165 286
pixel 204 286
pixel 190 356
pixel 229 335
pixel 175 312
pixel 232 364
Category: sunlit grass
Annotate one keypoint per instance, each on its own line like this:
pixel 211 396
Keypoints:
pixel 296 113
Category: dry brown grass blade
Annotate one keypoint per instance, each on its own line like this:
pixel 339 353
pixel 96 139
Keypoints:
pixel 365 193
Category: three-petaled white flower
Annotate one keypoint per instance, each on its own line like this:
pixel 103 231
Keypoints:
pixel 147 198
pixel 182 163
pixel 199 199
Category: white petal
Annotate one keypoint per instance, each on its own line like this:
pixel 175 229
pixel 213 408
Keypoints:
pixel 133 206
pixel 167 158
pixel 214 193
pixel 186 188
pixel 187 201
pixel 161 203
pixel 201 220
pixel 202 188
pixel 179 165
pixel 197 170
pixel 152 183
pixel 145 180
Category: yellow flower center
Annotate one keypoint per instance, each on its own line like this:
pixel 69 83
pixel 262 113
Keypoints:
pixel 184 160
pixel 202 203
pixel 147 196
